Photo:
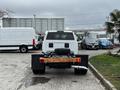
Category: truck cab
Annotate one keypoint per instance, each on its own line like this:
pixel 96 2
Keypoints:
pixel 60 39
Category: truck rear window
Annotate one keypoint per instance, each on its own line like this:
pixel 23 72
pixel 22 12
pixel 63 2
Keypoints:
pixel 60 36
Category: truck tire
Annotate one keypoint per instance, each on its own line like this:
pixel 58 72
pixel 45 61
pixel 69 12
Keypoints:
pixel 35 71
pixel 37 67
pixel 23 49
pixel 80 71
pixel 40 71
pixel 84 62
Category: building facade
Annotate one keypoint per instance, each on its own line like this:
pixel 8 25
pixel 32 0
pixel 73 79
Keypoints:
pixel 39 24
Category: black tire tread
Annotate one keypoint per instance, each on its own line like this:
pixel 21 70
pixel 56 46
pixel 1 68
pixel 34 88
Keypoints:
pixel 80 71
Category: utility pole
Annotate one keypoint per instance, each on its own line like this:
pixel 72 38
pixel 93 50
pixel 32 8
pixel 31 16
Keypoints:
pixel 34 21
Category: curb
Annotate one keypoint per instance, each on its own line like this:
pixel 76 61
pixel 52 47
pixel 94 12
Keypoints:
pixel 103 81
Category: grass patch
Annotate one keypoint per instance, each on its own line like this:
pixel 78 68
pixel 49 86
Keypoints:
pixel 109 67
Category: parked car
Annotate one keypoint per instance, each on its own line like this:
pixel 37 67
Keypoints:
pixel 79 40
pixel 105 43
pixel 90 41
pixel 40 41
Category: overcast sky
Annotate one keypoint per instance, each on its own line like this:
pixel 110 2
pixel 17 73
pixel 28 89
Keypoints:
pixel 76 12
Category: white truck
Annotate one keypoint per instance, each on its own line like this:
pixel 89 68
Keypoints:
pixel 17 38
pixel 59 50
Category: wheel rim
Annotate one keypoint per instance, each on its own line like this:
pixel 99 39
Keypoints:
pixel 23 49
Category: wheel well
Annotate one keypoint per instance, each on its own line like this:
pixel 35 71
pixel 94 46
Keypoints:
pixel 23 46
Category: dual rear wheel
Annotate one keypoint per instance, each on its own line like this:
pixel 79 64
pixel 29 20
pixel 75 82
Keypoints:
pixel 39 67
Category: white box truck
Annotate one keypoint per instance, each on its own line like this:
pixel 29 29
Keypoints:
pixel 17 38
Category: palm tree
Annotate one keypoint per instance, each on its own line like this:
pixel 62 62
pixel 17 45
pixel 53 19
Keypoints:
pixel 3 13
pixel 114 24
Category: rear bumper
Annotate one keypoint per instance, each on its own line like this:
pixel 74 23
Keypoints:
pixel 75 64
pixel 60 60
pixel 93 47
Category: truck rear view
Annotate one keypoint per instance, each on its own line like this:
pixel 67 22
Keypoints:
pixel 59 50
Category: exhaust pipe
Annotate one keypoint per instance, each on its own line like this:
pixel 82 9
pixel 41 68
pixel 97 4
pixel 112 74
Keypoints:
pixel 79 67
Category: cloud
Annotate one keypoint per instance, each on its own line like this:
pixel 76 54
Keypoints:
pixel 75 11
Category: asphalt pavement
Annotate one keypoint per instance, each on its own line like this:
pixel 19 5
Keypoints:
pixel 16 74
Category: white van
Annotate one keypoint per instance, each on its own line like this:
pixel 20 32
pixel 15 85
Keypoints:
pixel 17 38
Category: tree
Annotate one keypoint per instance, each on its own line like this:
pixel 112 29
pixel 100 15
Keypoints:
pixel 113 25
pixel 3 13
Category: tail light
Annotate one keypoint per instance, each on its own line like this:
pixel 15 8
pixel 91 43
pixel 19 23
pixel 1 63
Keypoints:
pixel 78 60
pixel 42 60
pixel 33 42
pixel 50 45
pixel 66 45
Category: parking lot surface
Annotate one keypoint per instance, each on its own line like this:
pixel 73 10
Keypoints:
pixel 16 74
